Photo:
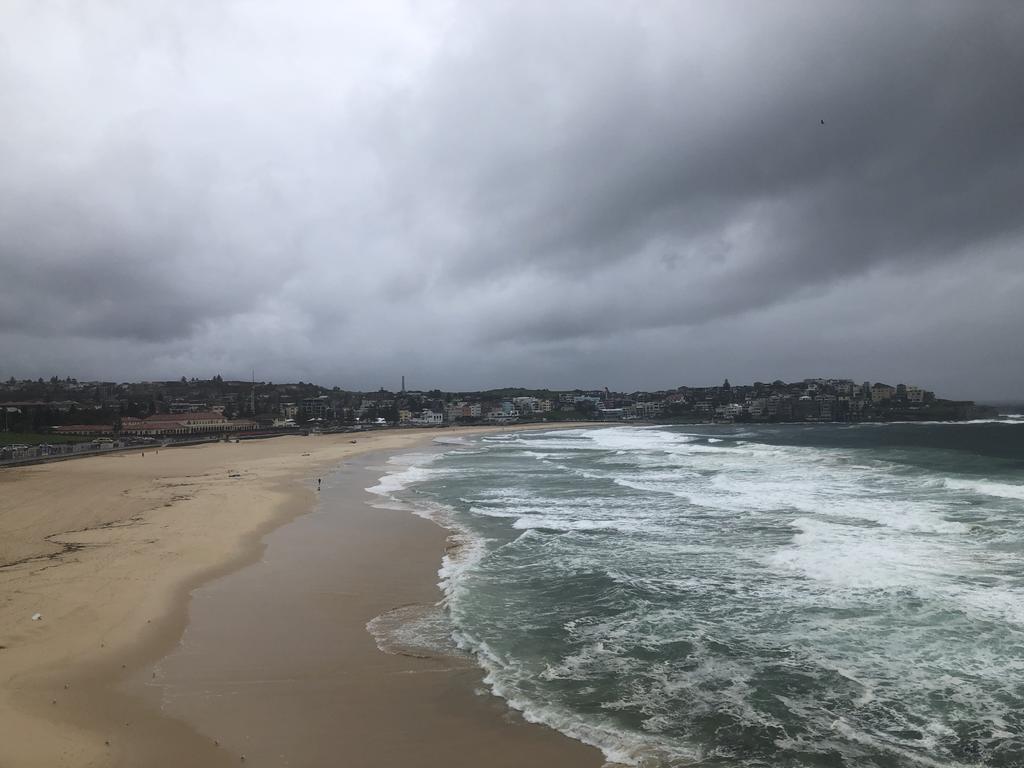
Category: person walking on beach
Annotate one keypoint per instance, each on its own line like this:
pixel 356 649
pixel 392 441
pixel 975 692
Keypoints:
pixel 318 483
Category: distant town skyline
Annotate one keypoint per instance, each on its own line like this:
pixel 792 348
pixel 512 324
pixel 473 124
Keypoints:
pixel 402 386
pixel 480 194
pixel 180 408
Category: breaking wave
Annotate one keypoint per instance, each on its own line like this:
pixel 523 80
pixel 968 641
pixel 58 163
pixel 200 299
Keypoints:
pixel 749 597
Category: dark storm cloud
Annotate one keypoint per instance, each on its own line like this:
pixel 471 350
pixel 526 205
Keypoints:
pixel 494 191
pixel 921 155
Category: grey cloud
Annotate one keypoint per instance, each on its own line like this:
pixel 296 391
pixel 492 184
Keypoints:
pixel 920 152
pixel 487 191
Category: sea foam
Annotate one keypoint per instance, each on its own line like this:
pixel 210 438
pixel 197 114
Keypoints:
pixel 743 595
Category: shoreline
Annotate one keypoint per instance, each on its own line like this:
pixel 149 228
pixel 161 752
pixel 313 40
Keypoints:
pixel 112 570
pixel 278 663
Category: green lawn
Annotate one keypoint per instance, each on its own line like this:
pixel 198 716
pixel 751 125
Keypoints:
pixel 33 438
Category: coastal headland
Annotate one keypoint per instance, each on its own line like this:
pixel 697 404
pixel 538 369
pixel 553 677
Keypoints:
pixel 99 558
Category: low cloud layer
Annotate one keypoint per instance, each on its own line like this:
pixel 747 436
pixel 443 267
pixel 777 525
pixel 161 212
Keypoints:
pixel 635 195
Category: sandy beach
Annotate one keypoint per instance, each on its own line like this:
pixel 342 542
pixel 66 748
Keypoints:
pixel 109 550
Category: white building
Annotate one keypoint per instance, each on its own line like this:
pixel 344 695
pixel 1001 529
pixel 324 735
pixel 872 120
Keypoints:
pixel 729 411
pixel 844 387
pixel 502 415
pixel 526 404
pixel 648 410
pixel 427 418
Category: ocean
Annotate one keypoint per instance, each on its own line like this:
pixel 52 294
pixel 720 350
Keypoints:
pixel 780 595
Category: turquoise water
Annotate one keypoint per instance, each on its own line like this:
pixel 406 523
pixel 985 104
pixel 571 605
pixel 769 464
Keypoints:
pixel 745 596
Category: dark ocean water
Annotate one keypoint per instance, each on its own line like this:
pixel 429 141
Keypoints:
pixel 745 595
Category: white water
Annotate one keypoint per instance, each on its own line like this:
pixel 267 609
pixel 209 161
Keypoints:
pixel 635 587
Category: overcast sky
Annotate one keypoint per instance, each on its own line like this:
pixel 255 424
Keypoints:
pixel 624 194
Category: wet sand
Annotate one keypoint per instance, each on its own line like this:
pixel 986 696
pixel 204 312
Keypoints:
pixel 110 549
pixel 277 664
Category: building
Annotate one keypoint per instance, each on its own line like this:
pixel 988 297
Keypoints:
pixel 880 392
pixel 843 387
pixel 201 423
pixel 462 411
pixel 428 418
pixel 526 405
pixel 914 394
pixel 647 409
pixel 729 411
pixel 453 412
pixel 758 408
pixel 806 408
pixel 316 407
pixel 827 407
pixel 503 414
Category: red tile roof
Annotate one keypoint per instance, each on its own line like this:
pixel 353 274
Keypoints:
pixel 185 417
pixel 202 416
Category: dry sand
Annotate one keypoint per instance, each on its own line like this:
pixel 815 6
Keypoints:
pixel 108 550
